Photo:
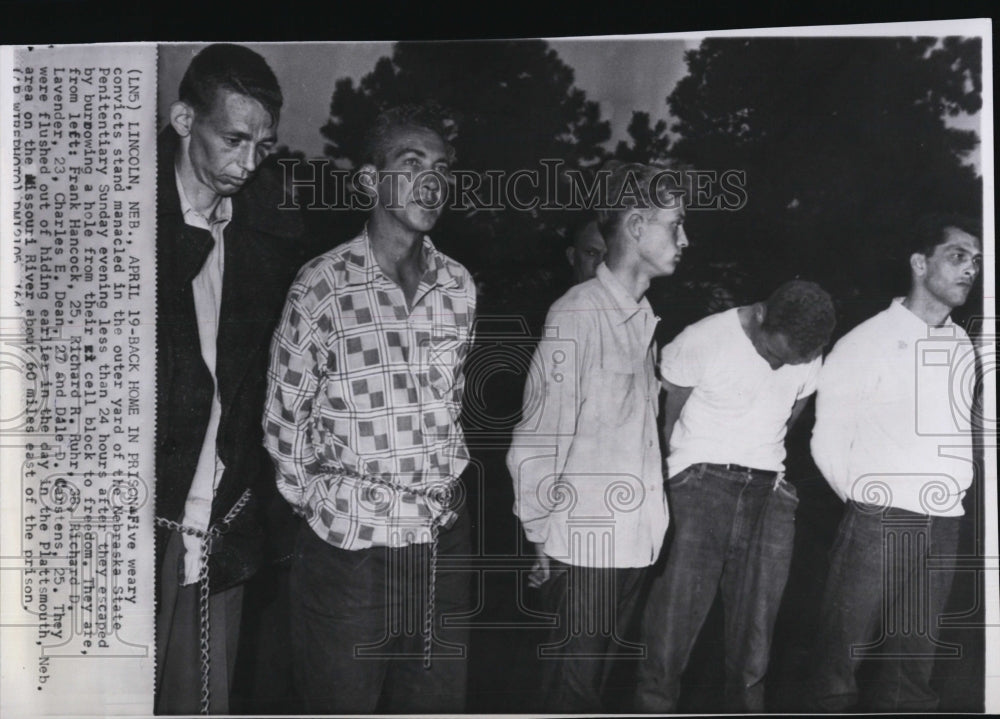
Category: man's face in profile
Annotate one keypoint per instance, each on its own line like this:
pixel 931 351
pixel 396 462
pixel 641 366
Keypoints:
pixel 228 143
pixel 949 272
pixel 587 252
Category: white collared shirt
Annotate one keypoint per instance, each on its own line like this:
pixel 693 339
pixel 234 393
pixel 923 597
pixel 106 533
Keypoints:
pixel 585 458
pixel 207 288
pixel 893 414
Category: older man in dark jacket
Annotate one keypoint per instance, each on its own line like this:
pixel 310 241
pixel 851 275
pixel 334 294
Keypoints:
pixel 226 255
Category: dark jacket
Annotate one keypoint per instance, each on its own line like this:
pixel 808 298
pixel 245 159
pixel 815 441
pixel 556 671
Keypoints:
pixel 264 248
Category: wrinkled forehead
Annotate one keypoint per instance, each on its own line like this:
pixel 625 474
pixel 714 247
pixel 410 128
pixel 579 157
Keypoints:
pixel 412 138
pixel 235 111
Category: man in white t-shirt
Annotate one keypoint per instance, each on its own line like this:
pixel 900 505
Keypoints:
pixel 736 381
pixel 893 438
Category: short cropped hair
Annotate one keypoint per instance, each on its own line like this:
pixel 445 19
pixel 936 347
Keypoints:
pixel 636 186
pixel 230 67
pixel 928 231
pixel 427 115
pixel 803 312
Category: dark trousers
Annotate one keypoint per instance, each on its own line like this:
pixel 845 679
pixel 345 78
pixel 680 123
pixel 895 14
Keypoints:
pixel 734 531
pixel 357 621
pixel 594 608
pixel 178 640
pixel 890 575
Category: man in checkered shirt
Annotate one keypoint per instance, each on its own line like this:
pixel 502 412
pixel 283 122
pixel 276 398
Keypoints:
pixel 362 420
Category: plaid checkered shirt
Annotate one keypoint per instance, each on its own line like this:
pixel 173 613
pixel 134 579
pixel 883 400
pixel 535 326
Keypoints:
pixel 362 386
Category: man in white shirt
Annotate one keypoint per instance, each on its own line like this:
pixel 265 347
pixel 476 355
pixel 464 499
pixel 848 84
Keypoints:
pixel 736 381
pixel 893 438
pixel 585 458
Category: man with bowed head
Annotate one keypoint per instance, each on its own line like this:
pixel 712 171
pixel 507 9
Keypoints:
pixel 736 381
pixel 225 258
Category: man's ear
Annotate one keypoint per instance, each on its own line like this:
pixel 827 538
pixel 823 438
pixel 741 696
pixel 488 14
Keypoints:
pixel 571 256
pixel 366 180
pixel 633 223
pixel 918 263
pixel 181 118
pixel 760 312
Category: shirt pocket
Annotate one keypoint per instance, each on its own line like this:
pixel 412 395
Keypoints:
pixel 440 353
pixel 618 391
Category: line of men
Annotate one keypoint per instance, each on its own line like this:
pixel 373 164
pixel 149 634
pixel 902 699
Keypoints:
pixel 358 366
pixel 735 383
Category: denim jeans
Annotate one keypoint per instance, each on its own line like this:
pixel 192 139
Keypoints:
pixel 733 531
pixel 890 575
pixel 357 622
pixel 595 608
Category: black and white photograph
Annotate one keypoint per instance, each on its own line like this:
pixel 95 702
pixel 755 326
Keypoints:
pixel 624 374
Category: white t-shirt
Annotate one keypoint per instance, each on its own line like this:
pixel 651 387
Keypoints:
pixel 739 407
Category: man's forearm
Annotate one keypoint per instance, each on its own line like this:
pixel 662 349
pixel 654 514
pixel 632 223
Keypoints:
pixel 676 398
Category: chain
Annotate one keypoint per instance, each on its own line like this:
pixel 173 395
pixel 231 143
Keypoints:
pixel 204 624
pixel 440 494
pixel 204 589
pixel 429 618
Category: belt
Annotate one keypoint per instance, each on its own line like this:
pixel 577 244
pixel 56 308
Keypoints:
pixel 739 468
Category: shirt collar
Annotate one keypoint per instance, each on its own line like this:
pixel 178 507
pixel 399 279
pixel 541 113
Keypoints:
pixel 223 211
pixel 914 325
pixel 362 267
pixel 626 307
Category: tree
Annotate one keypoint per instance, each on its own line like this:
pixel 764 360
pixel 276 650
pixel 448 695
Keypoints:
pixel 649 142
pixel 515 100
pixel 844 143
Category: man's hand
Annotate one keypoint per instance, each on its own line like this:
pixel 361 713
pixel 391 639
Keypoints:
pixel 539 573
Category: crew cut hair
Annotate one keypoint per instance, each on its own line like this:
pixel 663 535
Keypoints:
pixel 427 115
pixel 628 186
pixel 230 67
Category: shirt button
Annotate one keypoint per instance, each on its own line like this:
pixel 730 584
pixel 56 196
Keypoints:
pixel 650 443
